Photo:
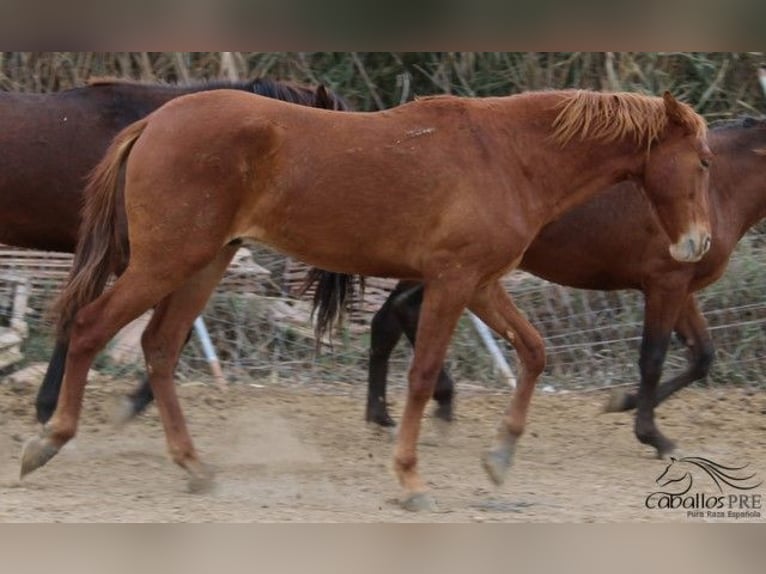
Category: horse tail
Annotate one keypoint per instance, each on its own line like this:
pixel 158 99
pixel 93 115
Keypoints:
pixel 332 296
pixel 100 248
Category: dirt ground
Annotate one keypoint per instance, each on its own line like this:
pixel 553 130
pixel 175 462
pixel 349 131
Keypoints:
pixel 304 455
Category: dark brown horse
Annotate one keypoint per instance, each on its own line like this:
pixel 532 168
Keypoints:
pixel 49 143
pixel 449 191
pixel 592 247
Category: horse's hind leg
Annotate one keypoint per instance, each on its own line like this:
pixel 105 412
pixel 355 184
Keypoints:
pixel 94 325
pixel 137 401
pixel 385 332
pixel 162 342
pixel 495 307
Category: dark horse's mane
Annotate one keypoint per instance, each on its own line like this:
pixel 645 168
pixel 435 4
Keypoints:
pixel 745 121
pixel 276 89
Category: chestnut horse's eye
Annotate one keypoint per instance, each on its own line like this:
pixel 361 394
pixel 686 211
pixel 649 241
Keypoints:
pixel 705 163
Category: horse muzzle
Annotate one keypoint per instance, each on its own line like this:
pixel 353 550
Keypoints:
pixel 691 247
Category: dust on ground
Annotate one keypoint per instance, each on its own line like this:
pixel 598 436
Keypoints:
pixel 303 454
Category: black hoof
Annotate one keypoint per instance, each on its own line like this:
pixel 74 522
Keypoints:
pixel 664 446
pixel 379 417
pixel 444 412
pixel 620 401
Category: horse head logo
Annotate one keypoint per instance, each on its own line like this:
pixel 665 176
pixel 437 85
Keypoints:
pixel 679 473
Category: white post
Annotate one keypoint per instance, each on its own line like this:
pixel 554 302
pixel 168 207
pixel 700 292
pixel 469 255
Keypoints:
pixel 210 355
pixel 18 318
pixel 762 77
pixel 497 354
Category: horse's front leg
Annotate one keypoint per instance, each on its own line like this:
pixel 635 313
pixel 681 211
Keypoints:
pixel 661 312
pixel 406 307
pixel 495 307
pixel 443 302
pixel 691 328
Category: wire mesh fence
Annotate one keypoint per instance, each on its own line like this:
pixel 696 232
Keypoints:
pixel 263 335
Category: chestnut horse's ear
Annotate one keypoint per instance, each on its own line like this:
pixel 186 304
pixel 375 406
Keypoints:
pixel 673 108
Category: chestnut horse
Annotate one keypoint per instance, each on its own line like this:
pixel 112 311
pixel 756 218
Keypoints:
pixel 450 191
pixel 590 247
pixel 49 143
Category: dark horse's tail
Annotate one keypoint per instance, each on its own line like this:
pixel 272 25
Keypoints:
pixel 100 246
pixel 332 296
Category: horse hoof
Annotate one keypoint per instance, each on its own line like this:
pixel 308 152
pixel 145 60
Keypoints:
pixel 36 452
pixel 389 433
pixel 419 502
pixel 496 464
pixel 444 413
pixel 618 402
pixel 201 479
pixel 380 418
pixel 666 448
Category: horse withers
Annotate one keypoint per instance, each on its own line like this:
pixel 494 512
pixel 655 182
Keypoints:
pixel 328 187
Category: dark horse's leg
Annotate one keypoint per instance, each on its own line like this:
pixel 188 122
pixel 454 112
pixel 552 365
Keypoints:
pixel 399 314
pixel 136 401
pixel 48 394
pixel 661 313
pixel 385 332
pixel 691 328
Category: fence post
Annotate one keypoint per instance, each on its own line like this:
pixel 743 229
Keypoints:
pixel 497 355
pixel 210 355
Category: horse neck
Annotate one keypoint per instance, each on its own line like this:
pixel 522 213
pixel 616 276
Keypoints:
pixel 561 176
pixel 581 170
pixel 737 191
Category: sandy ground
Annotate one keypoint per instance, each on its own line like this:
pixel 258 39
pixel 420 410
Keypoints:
pixel 304 455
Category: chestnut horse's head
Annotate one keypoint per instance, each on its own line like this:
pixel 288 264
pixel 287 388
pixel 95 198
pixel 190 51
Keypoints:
pixel 676 180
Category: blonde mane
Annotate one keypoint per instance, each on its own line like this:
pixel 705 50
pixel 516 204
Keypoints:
pixel 608 117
